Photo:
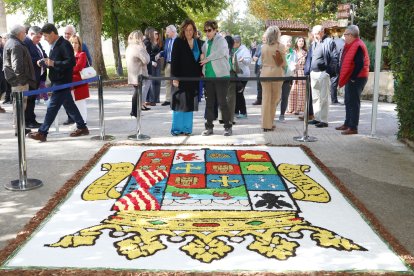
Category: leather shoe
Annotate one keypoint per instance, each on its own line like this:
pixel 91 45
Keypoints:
pixel 165 103
pixel 33 124
pixel 313 122
pixel 37 136
pixel 26 131
pixel 80 132
pixel 349 131
pixel 343 127
pixel 68 122
pixel 311 117
pixel 257 103
pixel 321 124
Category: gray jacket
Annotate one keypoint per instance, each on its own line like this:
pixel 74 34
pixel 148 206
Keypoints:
pixel 219 56
pixel 17 64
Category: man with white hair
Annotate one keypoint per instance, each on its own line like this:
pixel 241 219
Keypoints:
pixel 171 32
pixel 323 67
pixel 37 54
pixel 354 76
pixel 69 32
pixel 17 64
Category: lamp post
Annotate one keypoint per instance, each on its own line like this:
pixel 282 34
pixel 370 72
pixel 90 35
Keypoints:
pixel 50 11
pixel 378 44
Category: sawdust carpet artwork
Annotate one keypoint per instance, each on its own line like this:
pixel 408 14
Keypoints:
pixel 204 209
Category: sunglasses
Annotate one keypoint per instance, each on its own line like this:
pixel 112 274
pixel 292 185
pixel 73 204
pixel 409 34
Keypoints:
pixel 208 30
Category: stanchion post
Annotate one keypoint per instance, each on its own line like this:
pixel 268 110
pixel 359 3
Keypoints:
pixel 22 184
pixel 138 135
pixel 306 137
pixel 102 135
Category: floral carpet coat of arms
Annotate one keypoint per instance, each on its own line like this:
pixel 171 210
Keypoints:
pixel 208 207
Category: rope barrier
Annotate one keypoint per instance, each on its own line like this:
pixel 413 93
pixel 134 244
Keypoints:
pixel 23 183
pixel 304 138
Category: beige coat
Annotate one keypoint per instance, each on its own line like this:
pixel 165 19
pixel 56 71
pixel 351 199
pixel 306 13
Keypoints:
pixel 137 59
pixel 271 91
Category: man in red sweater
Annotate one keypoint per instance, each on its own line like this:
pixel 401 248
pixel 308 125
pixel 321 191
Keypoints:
pixel 354 76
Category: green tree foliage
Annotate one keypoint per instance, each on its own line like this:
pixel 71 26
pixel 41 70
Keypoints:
pixel 401 14
pixel 308 11
pixel 366 13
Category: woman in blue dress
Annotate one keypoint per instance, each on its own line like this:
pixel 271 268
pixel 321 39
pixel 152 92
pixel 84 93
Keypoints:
pixel 185 62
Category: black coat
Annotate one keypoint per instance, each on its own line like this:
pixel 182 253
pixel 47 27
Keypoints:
pixel 63 56
pixel 183 64
pixel 34 53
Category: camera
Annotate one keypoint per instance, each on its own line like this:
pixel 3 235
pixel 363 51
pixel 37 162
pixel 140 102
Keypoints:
pixel 42 63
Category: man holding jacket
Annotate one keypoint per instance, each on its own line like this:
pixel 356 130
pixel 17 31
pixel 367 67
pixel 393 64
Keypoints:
pixel 17 64
pixel 60 64
pixel 323 67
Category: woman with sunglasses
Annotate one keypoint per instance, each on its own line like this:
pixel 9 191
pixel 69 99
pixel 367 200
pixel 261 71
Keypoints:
pixel 216 65
pixel 185 62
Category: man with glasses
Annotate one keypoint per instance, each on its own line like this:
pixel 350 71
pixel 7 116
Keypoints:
pixel 354 76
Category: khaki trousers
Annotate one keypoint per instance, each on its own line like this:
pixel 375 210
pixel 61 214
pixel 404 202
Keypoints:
pixel 168 83
pixel 271 92
pixel 320 82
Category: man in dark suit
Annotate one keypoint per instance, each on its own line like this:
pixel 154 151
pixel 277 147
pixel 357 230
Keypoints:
pixel 37 54
pixel 166 54
pixel 60 64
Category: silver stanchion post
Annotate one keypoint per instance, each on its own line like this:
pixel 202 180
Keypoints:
pixel 139 136
pixel 102 135
pixel 306 137
pixel 22 184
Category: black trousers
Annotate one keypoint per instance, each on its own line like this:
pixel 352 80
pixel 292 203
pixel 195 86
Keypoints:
pixel 29 115
pixel 217 91
pixel 353 92
pixel 334 89
pixel 286 86
pixel 240 100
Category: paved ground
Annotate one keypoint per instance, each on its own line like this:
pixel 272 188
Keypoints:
pixel 378 171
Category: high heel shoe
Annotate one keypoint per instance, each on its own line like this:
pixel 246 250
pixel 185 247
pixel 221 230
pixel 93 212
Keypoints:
pixel 144 108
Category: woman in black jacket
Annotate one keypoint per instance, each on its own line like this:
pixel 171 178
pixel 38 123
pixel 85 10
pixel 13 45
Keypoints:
pixel 185 62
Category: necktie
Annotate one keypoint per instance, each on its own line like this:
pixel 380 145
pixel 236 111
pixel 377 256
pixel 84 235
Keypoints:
pixel 169 50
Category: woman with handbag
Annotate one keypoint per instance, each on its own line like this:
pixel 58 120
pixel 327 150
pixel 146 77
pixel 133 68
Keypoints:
pixel 273 62
pixel 185 62
pixel 79 93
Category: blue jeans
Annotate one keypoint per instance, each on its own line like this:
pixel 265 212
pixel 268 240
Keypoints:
pixel 353 92
pixel 59 98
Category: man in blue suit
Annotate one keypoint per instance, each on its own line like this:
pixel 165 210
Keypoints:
pixel 166 54
pixel 37 54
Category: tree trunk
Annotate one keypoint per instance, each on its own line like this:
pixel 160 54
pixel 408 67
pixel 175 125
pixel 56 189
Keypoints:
pixel 91 25
pixel 115 41
pixel 3 22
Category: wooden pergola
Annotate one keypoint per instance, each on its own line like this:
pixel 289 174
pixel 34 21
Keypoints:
pixel 297 28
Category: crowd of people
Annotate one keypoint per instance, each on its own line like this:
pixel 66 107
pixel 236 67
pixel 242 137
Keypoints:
pixel 222 56
pixel 329 63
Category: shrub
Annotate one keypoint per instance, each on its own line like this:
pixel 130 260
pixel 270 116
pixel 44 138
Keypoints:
pixel 402 63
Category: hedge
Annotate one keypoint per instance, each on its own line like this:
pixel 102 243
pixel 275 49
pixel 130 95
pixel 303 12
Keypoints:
pixel 401 14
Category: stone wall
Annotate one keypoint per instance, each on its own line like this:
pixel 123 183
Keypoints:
pixel 386 87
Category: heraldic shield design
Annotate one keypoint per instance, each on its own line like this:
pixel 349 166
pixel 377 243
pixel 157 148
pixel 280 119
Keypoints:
pixel 206 201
